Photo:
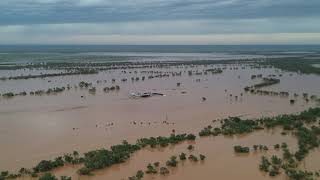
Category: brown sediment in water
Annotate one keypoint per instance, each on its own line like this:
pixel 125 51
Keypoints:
pixel 221 161
pixel 44 130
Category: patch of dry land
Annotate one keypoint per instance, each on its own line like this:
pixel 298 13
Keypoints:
pixel 158 120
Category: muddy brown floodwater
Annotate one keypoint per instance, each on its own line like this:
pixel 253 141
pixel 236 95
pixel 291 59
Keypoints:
pixel 33 128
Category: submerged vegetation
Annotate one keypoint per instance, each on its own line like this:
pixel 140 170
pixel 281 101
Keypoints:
pixel 164 170
pixel 240 149
pixel 304 126
pixel 102 158
pixel 265 82
pixel 294 64
pixel 232 126
pixel 76 72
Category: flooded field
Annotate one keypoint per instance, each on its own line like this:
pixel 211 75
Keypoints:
pixel 87 116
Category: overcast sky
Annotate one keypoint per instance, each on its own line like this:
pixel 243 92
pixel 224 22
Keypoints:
pixel 159 21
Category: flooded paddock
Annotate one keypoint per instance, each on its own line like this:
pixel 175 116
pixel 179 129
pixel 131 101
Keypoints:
pixel 33 128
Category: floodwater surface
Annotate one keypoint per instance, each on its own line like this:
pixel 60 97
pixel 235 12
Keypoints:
pixel 33 128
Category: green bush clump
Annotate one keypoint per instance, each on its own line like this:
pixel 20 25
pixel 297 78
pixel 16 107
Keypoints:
pixel 299 174
pixel 172 162
pixel 260 147
pixel 84 171
pixel 164 171
pixel 8 95
pixel 102 158
pixel 45 165
pixel 265 164
pixel 48 176
pixel 191 137
pixel 190 147
pixel 235 125
pixel 205 132
pixel 139 175
pixel 65 178
pixel 156 164
pixel 274 171
pixel 193 158
pixel 98 159
pixel 164 141
pixel 295 64
pixel 151 169
pixel 240 149
pixel 202 157
pixel 4 173
pixel 275 160
pixel 182 156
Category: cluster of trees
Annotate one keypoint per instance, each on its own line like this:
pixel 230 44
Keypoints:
pixel 304 128
pixel 139 175
pixel 280 94
pixel 56 90
pixel 76 72
pixel 6 175
pixel 84 84
pixel 190 147
pixel 307 133
pixel 256 76
pixel 294 64
pixel 304 125
pixel 240 149
pixel 235 125
pixel 172 162
pixel 193 158
pixel 207 131
pixel 112 88
pixel 163 170
pixel 102 158
pixel 260 147
pixel 232 126
pixel 47 165
pixel 124 65
pixel 99 159
pixel 266 92
pixel 165 141
pixel 291 121
pixel 214 70
pixel 288 164
pixel 46 176
pixel 272 167
pixel 49 176
pixel 9 95
pixel 49 91
pixel 265 82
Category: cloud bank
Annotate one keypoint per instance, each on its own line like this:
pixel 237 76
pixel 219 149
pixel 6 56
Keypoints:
pixel 145 21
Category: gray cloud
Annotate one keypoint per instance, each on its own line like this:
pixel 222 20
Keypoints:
pixel 75 21
pixel 172 27
pixel 220 39
pixel 86 11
